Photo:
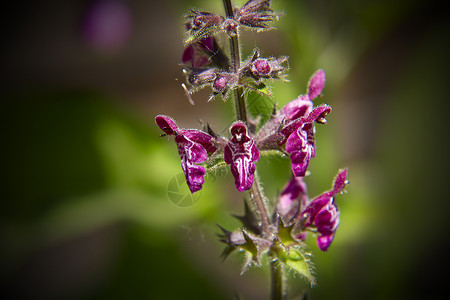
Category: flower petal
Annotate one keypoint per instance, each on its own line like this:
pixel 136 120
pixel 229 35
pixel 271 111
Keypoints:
pixel 316 84
pixel 340 181
pixel 167 124
pixel 240 152
pixel 191 153
pixel 195 177
pixel 318 114
pixel 200 137
pixel 324 241
pixel 291 200
pixel 297 108
pixel 301 152
pixel 323 213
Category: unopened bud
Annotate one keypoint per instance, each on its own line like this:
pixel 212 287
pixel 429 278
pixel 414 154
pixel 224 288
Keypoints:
pixel 220 83
pixel 261 67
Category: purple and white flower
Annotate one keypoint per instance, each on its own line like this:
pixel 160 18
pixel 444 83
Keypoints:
pixel 291 201
pixel 193 147
pixel 322 212
pixel 240 152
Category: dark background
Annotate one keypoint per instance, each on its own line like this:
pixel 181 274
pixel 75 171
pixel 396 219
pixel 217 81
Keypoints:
pixel 85 177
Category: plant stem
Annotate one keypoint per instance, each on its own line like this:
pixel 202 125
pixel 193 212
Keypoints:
pixel 257 196
pixel 258 200
pixel 277 282
pixel 239 100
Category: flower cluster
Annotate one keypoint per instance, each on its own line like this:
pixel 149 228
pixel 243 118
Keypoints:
pixel 320 214
pixel 290 132
pixel 205 64
pixel 292 127
pixel 255 14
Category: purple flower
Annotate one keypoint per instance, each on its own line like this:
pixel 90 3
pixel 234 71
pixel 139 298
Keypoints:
pixel 198 54
pixel 240 153
pixel 302 106
pixel 301 144
pixel 294 115
pixel 299 131
pixel 193 147
pixel 204 52
pixel 292 200
pixel 323 213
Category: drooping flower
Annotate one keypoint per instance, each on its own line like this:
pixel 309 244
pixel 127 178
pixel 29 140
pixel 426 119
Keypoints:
pixel 322 212
pixel 193 147
pixel 197 54
pixel 301 144
pixel 240 152
pixel 289 118
pixel 293 198
pixel 205 52
pixel 293 126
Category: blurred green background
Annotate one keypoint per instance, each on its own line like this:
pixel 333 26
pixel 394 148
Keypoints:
pixel 87 211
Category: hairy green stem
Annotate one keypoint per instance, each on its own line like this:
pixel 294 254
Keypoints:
pixel 258 200
pixel 239 100
pixel 277 281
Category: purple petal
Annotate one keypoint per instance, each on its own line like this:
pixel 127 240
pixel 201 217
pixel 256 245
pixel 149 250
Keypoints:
pixel 200 137
pixel 297 108
pixel 208 44
pixel 191 153
pixel 198 54
pixel 227 155
pixel 194 152
pixel 318 114
pixel 327 219
pixel 340 181
pixel 255 153
pixel 195 177
pixel 324 241
pixel 167 124
pixel 289 129
pixel 188 54
pixel 300 162
pixel 314 208
pixel 243 170
pixel 301 152
pixel 316 84
pixel 292 199
pixel 240 152
pixel 296 141
pixel 323 213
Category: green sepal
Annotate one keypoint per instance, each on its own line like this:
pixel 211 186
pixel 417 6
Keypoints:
pixel 203 33
pixel 254 248
pixel 297 259
pixel 285 236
